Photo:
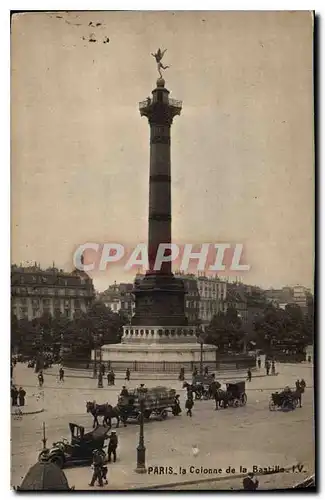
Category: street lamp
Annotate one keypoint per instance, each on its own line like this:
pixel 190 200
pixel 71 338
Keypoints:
pixel 141 449
pixel 97 342
pixel 200 338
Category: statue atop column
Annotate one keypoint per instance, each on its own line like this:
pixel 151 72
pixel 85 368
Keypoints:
pixel 158 56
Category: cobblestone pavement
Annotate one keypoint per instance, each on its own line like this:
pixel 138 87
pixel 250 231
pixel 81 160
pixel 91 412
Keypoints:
pixel 232 437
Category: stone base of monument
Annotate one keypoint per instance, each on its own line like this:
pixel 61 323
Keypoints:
pixel 167 350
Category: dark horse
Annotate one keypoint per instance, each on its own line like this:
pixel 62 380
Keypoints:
pixel 106 411
pixel 219 395
pixel 191 389
pixel 221 398
pixel 300 389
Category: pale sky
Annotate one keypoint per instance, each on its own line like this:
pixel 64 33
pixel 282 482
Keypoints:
pixel 242 149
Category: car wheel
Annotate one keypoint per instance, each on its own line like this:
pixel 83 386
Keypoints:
pixel 163 415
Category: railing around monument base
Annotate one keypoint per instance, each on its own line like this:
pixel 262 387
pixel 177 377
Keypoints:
pixel 222 364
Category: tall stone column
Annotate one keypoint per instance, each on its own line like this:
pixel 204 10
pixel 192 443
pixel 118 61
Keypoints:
pixel 160 296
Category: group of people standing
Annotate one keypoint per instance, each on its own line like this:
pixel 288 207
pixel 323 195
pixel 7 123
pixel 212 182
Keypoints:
pixel 269 365
pixel 17 396
pixel 181 376
pixel 110 376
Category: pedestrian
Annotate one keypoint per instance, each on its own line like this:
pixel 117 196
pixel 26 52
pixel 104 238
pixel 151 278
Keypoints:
pixel 249 375
pixel 112 377
pixel 189 405
pixel 267 366
pixel 14 395
pixel 127 375
pixel 61 375
pixel 104 474
pixel 97 465
pixel 109 378
pixel 259 363
pixel 250 483
pixel 40 377
pixel 273 368
pixel 21 396
pixel 112 446
pixel 102 369
pixel 181 375
pixel 206 371
pixel 177 407
pixel 124 392
pixel 195 372
pixel 100 380
pixel 309 359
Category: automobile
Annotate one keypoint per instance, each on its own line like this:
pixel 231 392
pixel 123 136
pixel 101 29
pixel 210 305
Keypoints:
pixel 80 449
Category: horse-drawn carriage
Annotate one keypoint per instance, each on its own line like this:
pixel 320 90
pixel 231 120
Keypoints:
pixel 236 394
pixel 286 400
pixel 156 401
pixel 79 450
pixel 201 386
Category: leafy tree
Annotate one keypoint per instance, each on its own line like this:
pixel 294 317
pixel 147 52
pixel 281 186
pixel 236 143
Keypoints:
pixel 76 337
pixel 309 320
pixel 280 329
pixel 225 331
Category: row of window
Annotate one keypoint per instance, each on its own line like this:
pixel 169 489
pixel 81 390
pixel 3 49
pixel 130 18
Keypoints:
pixel 50 291
pixel 48 279
pixel 23 314
pixel 47 302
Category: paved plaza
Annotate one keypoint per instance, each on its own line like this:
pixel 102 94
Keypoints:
pixel 235 437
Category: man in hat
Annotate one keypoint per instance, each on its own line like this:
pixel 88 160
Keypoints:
pixel 124 391
pixel 97 465
pixel 21 396
pixel 250 483
pixel 189 405
pixel 112 446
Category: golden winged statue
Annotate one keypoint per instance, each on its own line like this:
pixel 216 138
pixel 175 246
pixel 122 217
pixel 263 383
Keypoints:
pixel 158 56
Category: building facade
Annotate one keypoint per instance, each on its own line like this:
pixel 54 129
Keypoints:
pixel 297 294
pixel 119 298
pixel 213 294
pixel 236 298
pixel 192 298
pixel 35 292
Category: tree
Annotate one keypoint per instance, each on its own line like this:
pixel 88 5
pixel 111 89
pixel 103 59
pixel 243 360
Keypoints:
pixel 225 331
pixel 309 320
pixel 279 329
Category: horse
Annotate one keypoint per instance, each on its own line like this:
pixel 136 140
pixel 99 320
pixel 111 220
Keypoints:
pixel 106 411
pixel 221 396
pixel 300 389
pixel 191 389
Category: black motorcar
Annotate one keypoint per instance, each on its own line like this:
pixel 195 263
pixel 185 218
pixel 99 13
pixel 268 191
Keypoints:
pixel 79 451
